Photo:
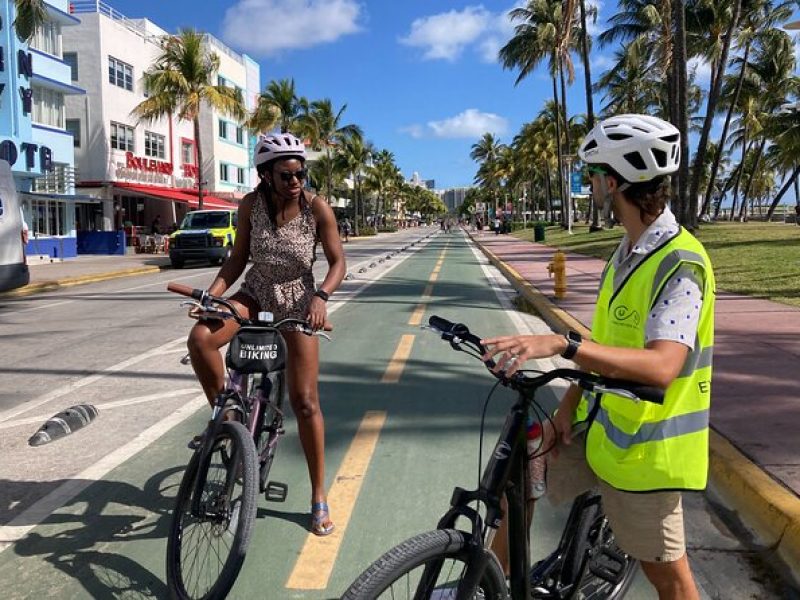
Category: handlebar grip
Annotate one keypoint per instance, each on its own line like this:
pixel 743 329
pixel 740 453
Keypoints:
pixel 185 290
pixel 648 393
pixel 439 323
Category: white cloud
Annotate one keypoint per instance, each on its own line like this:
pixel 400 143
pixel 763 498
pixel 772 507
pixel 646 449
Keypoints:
pixel 469 124
pixel 445 36
pixel 264 27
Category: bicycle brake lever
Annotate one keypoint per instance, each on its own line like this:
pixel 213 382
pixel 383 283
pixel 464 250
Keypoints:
pixel 322 334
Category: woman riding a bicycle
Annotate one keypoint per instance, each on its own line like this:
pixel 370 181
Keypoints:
pixel 279 227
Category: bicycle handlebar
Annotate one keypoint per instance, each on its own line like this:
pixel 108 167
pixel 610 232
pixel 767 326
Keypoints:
pixel 458 333
pixel 206 300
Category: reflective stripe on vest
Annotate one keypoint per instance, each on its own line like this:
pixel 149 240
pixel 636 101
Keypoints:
pixel 636 445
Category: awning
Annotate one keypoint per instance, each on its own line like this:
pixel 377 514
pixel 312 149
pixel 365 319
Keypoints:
pixel 65 197
pixel 175 195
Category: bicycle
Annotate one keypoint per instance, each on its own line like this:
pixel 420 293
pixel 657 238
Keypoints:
pixel 214 515
pixel 452 564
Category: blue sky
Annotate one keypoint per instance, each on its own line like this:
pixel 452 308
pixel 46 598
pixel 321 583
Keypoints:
pixel 420 77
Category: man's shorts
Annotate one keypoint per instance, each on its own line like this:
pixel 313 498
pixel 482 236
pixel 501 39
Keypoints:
pixel 648 526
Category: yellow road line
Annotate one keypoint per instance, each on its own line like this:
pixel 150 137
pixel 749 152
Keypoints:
pixel 315 563
pixel 398 362
pixel 419 311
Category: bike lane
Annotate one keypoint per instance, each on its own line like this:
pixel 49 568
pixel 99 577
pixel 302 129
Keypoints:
pixel 422 403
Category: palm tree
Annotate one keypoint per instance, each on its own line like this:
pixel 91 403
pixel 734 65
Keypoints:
pixel 356 154
pixel 31 16
pixel 180 82
pixel 323 127
pixel 382 177
pixel 486 153
pixel 278 103
pixel 541 34
pixel 784 155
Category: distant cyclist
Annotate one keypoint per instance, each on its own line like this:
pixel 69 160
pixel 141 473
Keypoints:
pixel 653 323
pixel 279 227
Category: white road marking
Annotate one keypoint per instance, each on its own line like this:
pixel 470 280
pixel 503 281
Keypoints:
pixel 109 405
pixel 80 383
pixel 18 527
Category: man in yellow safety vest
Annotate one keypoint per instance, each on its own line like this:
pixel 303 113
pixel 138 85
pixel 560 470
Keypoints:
pixel 653 323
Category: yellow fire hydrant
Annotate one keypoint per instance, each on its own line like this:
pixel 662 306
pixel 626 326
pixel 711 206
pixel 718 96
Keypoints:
pixel 558 267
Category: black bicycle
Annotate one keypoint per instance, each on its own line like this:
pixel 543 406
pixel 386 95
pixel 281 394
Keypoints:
pixel 452 564
pixel 216 505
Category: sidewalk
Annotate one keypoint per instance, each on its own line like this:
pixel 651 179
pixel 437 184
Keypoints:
pixel 47 276
pixel 755 409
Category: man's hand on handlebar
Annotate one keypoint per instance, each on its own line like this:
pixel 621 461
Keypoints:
pixel 517 349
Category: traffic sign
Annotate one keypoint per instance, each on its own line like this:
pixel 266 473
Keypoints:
pixel 577 182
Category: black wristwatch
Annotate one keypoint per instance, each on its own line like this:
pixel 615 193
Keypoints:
pixel 320 293
pixel 574 340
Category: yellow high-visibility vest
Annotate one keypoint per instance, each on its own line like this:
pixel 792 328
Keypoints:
pixel 637 445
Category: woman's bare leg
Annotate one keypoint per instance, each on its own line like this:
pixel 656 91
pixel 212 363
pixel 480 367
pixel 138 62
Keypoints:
pixel 303 376
pixel 205 340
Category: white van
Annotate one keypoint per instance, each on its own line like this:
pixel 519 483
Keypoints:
pixel 13 268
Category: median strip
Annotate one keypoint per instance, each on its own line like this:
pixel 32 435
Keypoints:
pixel 315 564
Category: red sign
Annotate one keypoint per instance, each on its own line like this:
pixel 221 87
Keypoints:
pixel 147 164
pixel 190 171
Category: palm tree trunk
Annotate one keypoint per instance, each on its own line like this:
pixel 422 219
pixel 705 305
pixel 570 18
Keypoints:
pixel 793 178
pixel 711 109
pixel 199 149
pixel 329 169
pixel 688 216
pixel 749 186
pixel 549 203
pixel 559 150
pixel 724 135
pixel 745 150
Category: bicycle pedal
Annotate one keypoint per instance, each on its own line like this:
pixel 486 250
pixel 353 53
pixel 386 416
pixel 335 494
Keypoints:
pixel 613 568
pixel 276 492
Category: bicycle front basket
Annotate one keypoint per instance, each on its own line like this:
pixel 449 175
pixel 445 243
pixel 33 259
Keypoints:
pixel 255 350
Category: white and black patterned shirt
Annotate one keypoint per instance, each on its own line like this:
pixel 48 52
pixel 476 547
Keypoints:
pixel 677 312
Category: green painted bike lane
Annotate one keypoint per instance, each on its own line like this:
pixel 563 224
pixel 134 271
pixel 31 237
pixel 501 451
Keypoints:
pixel 110 540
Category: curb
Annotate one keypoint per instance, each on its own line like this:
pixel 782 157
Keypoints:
pixel 49 286
pixel 762 503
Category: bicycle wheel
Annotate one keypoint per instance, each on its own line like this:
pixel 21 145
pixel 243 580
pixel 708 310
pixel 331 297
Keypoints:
pixel 595 562
pixel 205 552
pixel 441 555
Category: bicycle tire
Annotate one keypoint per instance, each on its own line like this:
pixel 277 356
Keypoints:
pixel 235 436
pixel 400 561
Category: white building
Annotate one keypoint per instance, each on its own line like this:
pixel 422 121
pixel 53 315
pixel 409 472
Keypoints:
pixel 143 170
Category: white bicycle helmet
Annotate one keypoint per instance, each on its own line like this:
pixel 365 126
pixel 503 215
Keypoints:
pixel 638 147
pixel 279 145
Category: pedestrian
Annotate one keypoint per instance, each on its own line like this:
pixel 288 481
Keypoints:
pixel 653 323
pixel 155 226
pixel 279 227
pixel 346 229
pixel 496 226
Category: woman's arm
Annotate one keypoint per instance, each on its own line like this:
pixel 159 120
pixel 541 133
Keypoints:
pixel 331 244
pixel 234 266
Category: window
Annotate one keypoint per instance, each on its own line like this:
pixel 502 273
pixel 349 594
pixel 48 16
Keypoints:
pixel 221 80
pixel 48 107
pixel 240 175
pixel 49 217
pixel 154 145
pixel 48 38
pixel 223 129
pixel 120 73
pixel 121 137
pixel 223 172
pixel 71 58
pixel 73 126
pixel 239 135
pixel 187 153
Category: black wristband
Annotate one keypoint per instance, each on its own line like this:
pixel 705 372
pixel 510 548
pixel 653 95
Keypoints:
pixel 320 293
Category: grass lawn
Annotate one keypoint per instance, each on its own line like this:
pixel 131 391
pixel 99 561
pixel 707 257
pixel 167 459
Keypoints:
pixel 756 259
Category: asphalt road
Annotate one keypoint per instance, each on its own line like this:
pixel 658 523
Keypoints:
pixel 86 516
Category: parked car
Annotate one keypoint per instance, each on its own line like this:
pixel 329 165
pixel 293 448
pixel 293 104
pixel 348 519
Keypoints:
pixel 203 235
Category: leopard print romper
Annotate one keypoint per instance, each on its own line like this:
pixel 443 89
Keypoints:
pixel 281 278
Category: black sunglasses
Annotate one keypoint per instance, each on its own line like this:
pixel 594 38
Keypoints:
pixel 287 175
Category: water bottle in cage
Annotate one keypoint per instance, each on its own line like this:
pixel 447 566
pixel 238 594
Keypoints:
pixel 537 465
